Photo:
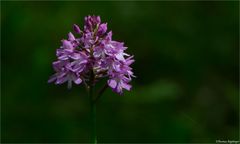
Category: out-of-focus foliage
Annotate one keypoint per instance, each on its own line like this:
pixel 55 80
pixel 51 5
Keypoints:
pixel 187 85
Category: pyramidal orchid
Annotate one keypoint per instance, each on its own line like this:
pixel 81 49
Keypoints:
pixel 89 56
pixel 93 51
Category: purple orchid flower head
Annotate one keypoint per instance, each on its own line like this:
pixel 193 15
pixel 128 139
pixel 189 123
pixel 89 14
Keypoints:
pixel 93 51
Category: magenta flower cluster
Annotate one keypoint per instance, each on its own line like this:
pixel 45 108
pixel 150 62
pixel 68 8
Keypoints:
pixel 93 52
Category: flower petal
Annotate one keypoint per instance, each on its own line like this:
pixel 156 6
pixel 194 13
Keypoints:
pixel 78 81
pixel 126 86
pixel 71 36
pixel 112 83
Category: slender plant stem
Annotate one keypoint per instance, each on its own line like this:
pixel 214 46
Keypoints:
pixel 94 128
pixel 93 111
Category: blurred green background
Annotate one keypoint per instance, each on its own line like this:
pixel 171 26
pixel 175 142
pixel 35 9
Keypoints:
pixel 187 68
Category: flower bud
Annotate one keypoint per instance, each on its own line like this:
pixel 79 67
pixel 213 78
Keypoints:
pixel 76 28
pixel 102 29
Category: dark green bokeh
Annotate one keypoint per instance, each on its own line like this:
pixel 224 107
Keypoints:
pixel 187 85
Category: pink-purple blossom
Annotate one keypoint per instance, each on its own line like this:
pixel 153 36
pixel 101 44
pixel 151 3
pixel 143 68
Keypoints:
pixel 92 50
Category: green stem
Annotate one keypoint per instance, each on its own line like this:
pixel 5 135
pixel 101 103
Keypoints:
pixel 93 116
pixel 93 111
